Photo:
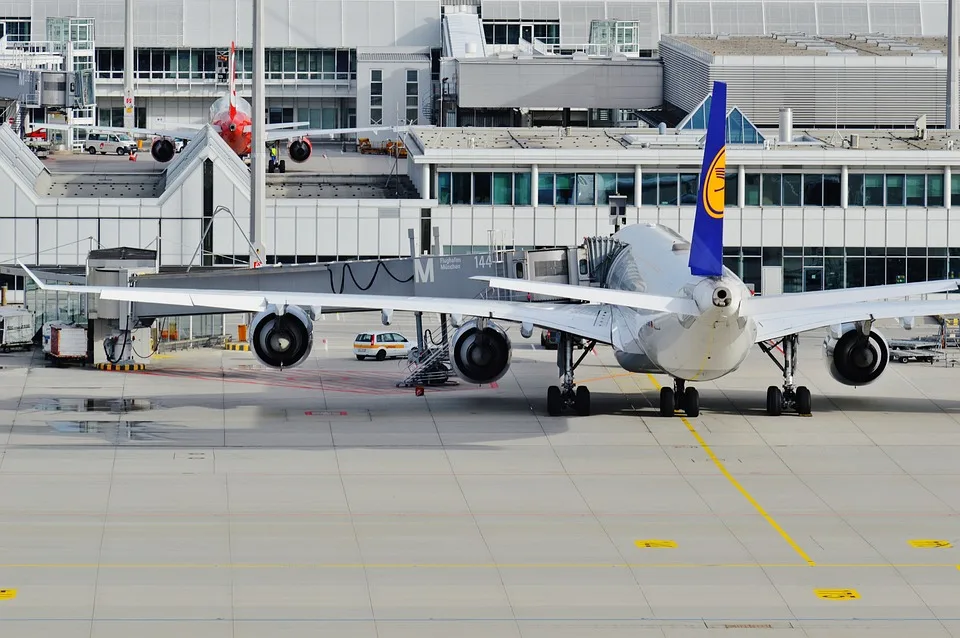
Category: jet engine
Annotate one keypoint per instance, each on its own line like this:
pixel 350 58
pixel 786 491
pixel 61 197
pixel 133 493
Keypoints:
pixel 281 340
pixel 300 150
pixel 480 354
pixel 163 150
pixel 852 358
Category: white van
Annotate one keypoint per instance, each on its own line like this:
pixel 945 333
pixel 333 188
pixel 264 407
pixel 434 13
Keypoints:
pixel 104 143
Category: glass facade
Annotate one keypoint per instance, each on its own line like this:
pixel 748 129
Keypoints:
pixel 740 130
pixel 514 189
pixel 200 64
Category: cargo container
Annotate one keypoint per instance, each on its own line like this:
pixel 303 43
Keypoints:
pixel 68 343
pixel 16 328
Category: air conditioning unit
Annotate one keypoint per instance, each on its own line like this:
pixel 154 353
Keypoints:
pixel 854 140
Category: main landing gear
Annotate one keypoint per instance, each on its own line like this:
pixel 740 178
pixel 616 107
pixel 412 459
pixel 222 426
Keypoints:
pixel 792 397
pixel 679 398
pixel 566 396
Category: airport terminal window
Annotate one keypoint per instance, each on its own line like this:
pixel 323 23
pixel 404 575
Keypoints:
pixel 461 188
pixel 854 189
pixel 481 188
pixel 873 190
pixel 521 189
pixel 934 190
pixel 812 189
pixel 955 190
pixel 915 188
pixel 792 189
pixel 502 189
pixel 511 31
pixel 731 189
pixel 586 183
pixel 770 185
pixel 16 29
pixel 689 184
pixel 564 189
pixel 413 97
pixel 606 186
pixel 895 190
pixel 376 97
pixel 444 186
pixel 752 189
pixel 648 189
pixel 545 189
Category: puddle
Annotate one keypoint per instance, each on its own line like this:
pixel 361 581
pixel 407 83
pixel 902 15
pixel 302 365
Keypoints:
pixel 122 431
pixel 95 405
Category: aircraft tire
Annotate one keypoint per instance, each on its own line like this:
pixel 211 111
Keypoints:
pixel 283 166
pixel 667 405
pixel 554 401
pixel 774 401
pixel 582 401
pixel 804 401
pixel 691 402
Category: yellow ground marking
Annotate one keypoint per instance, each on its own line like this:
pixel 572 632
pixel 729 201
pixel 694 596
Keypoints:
pixel 929 543
pixel 440 566
pixel 654 543
pixel 740 488
pixel 605 377
pixel 837 594
pixel 7 594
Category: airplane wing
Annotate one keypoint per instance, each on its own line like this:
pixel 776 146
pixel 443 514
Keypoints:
pixel 285 125
pixel 776 324
pixel 825 298
pixel 589 321
pixel 282 135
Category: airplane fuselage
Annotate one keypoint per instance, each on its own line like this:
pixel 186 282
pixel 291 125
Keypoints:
pixel 695 348
pixel 235 129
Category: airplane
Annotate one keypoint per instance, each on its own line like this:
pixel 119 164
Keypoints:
pixel 668 307
pixel 231 117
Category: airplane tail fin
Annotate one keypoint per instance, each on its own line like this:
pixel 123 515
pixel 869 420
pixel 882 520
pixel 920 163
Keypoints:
pixel 233 79
pixel 706 248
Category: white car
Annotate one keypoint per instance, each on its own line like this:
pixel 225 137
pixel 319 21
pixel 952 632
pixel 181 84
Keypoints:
pixel 381 345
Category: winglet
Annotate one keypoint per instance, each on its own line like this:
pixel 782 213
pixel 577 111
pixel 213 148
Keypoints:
pixel 40 284
pixel 706 248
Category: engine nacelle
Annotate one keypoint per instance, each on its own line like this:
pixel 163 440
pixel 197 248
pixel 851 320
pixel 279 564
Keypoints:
pixel 281 340
pixel 300 150
pixel 853 359
pixel 163 150
pixel 478 355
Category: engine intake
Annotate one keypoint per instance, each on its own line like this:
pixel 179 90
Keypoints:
pixel 853 359
pixel 281 341
pixel 300 150
pixel 163 150
pixel 480 355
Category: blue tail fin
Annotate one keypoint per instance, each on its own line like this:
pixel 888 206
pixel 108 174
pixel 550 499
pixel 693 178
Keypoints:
pixel 706 249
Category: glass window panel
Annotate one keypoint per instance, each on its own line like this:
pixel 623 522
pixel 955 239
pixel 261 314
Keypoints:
pixel 585 189
pixel 854 189
pixel 917 269
pixel 545 189
pixel 461 188
pixel 606 186
pixel 831 190
pixel 895 190
pixel 771 189
pixel 812 189
pixel 873 190
pixel 832 273
pixel 854 272
pixel 772 256
pixel 936 268
pixel 875 271
pixel 955 190
pixel 626 186
pixel 503 189
pixel 731 189
pixel 444 186
pixel 896 270
pixel 564 189
pixel 481 188
pixel 668 188
pixel 752 189
pixel 934 190
pixel 521 189
pixel 792 274
pixel 648 189
pixel 792 188
pixel 688 188
pixel 915 187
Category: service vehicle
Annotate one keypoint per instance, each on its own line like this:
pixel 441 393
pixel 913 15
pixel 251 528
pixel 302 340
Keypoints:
pixel 381 345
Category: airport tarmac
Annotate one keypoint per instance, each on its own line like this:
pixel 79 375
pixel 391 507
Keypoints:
pixel 209 496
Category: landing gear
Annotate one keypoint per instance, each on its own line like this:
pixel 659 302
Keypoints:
pixel 679 398
pixel 567 395
pixel 792 397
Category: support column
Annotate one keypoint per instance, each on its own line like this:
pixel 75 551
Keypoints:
pixel 947 186
pixel 844 187
pixel 425 190
pixel 741 186
pixel 953 57
pixel 258 148
pixel 534 189
pixel 128 106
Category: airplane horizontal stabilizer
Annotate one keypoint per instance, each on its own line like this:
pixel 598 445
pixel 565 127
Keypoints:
pixel 628 298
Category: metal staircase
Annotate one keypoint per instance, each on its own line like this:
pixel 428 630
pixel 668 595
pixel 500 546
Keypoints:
pixel 430 366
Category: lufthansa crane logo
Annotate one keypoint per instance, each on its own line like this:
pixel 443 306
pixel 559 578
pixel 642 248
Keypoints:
pixel 713 195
